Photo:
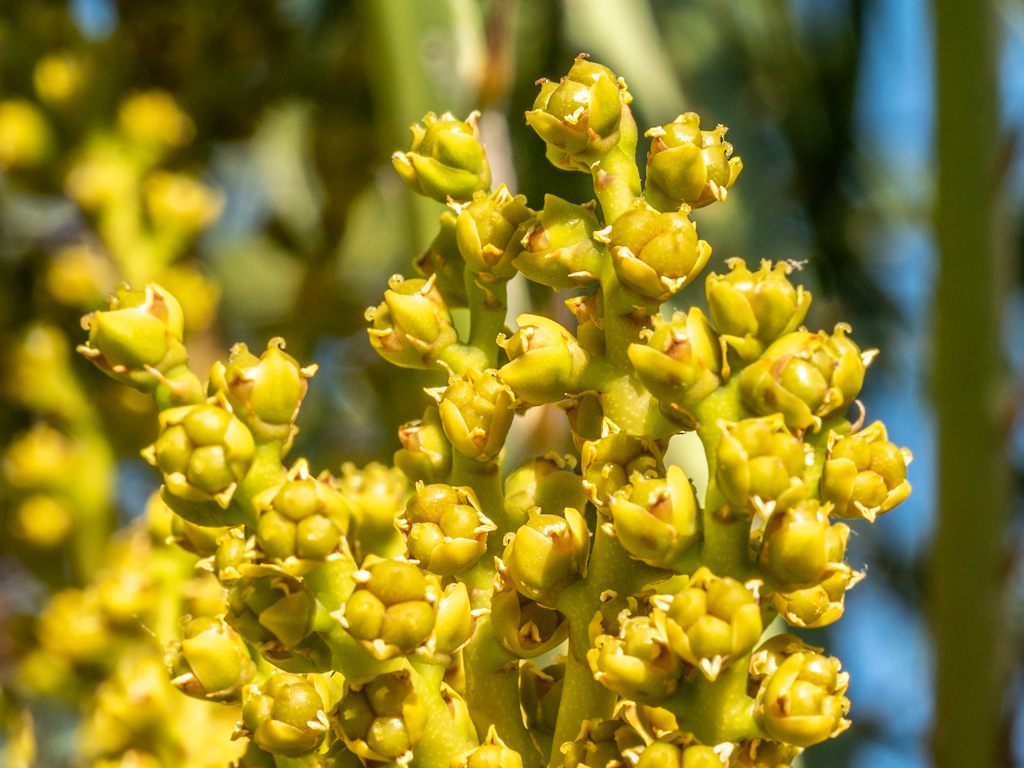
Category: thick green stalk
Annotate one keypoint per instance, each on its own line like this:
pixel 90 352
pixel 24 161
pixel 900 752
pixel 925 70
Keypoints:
pixel 965 579
pixel 487 308
pixel 716 711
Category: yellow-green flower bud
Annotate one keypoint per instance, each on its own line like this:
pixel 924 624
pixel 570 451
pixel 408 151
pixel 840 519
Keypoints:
pixel 492 753
pixel 753 309
pixel 153 118
pixel 26 139
pixel 547 554
pixel 211 661
pixel 454 625
pixel 864 474
pixel 522 625
pixel 763 753
pixel 773 651
pixel 73 626
pixel 545 361
pixel 760 465
pixel 444 528
pixel 709 622
pixel 638 664
pixel 443 259
pixel 656 254
pixel 254 757
pixel 681 363
pixel 412 326
pixel 271 609
pixel 375 494
pixel 197 539
pixel 547 482
pixel 285 715
pixel 393 609
pixel 803 702
pixel 487 231
pixel 265 391
pixel 820 605
pixel 541 692
pixel 805 376
pixel 578 117
pixel 303 518
pixel 426 454
pixel 558 248
pixel 688 166
pixel 138 339
pixel 610 462
pixel 381 720
pixel 446 160
pixel 603 743
pixel 656 520
pixel 203 452
pixel 234 552
pixel 180 204
pixel 799 548
pixel 675 752
pixel 476 413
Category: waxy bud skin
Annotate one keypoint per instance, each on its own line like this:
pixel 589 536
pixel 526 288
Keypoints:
pixel 476 413
pixel 382 719
pixel 446 160
pixel 558 248
pixel 578 117
pixel 753 309
pixel 547 554
pixel 487 231
pixel 285 715
pixel 412 326
pixel 803 702
pixel 609 463
pixel 760 465
pixel 211 661
pixel 656 254
pixel 864 474
pixel 688 166
pixel 638 664
pixel 444 528
pixel 545 361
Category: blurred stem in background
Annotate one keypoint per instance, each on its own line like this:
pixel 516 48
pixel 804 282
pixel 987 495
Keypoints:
pixel 965 575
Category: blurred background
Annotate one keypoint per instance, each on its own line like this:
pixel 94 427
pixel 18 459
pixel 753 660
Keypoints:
pixel 238 153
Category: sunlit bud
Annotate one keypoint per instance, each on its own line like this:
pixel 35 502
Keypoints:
pixel 799 548
pixel 656 254
pixel 681 363
pixel 772 652
pixel 864 474
pixel 603 743
pixel 444 528
pixel 548 482
pixel 545 361
pixel 443 259
pixel 763 753
pixel 558 248
pixel 710 621
pixel 675 752
pixel 381 720
pixel 610 462
pixel 688 166
pixel 541 692
pixel 426 454
pixel 285 715
pixel 547 554
pixel 522 625
pixel 818 605
pixel 271 609
pixel 476 413
pixel 805 376
pixel 446 159
pixel 492 753
pixel 412 326
pixel 153 118
pixel 211 661
pixel 760 465
pixel 638 664
pixel 803 701
pixel 753 309
pixel 487 231
pixel 656 520
pixel 579 116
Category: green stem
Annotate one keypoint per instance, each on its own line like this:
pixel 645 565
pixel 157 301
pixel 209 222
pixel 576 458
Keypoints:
pixel 266 471
pixel 616 176
pixel 716 711
pixel 442 738
pixel 487 310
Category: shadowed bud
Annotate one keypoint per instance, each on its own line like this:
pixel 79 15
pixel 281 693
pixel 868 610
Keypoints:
pixel 558 249
pixel 610 462
pixel 541 691
pixel 426 454
pixel 446 159
pixel 763 753
pixel 603 743
pixel 443 259
pixel 547 482
pixel 545 361
pixel 412 326
pixel 523 626
pixel 382 719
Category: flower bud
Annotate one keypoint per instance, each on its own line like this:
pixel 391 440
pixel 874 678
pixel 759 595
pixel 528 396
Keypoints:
pixel 803 702
pixel 523 626
pixel 760 465
pixel 26 139
pixel 393 609
pixel 444 528
pixel 492 753
pixel 547 554
pixel 610 462
pixel 285 715
pixel 578 117
pixel 753 309
pixel 710 621
pixel 688 166
pixel 374 494
pixel 864 474
pixel 211 661
pixel 603 743
pixel 138 338
pixel 426 454
pixel 264 391
pixel 446 160
pixel 763 753
pixel 412 326
pixel 547 482
pixel 234 552
pixel 638 664
pixel 656 520
pixel 197 539
pixel 303 518
pixel 381 720
pixel 58 78
pixel 681 363
pixel 656 254
pixel 153 118
pixel 545 361
pixel 203 452
pixel 673 752
pixel 271 609
pixel 443 259
pixel 558 248
pixel 487 231
pixel 799 548
pixel 805 376
pixel 476 413
pixel 818 605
